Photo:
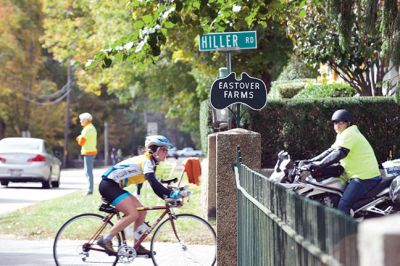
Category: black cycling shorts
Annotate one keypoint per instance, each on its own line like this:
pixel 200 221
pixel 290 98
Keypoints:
pixel 112 192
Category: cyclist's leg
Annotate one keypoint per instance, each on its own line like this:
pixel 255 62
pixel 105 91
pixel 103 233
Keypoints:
pixel 123 202
pixel 141 216
pixel 128 207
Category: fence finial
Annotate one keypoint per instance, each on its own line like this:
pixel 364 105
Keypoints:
pixel 239 155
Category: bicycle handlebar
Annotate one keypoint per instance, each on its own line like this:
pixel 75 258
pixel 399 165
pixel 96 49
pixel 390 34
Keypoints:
pixel 185 193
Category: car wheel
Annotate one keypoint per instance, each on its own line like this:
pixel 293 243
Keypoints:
pixel 57 182
pixel 4 183
pixel 46 184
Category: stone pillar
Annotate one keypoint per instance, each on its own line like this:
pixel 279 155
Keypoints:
pixel 250 145
pixel 208 180
pixel 379 241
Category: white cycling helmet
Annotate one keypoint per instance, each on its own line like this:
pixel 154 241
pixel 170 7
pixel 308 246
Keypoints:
pixel 158 140
pixel 85 117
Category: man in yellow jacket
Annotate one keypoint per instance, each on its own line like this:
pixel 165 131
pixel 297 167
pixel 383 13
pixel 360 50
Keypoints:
pixel 88 140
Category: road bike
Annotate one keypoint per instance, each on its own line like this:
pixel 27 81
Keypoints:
pixel 171 244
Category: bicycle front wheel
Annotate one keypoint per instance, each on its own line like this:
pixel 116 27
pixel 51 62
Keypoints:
pixel 185 240
pixel 73 244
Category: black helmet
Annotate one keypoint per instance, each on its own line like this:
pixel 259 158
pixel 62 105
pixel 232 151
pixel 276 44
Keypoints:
pixel 342 115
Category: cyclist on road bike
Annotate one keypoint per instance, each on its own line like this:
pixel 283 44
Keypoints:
pixel 134 170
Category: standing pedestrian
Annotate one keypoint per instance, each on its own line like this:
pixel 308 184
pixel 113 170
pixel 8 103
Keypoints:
pixel 113 156
pixel 88 140
pixel 119 155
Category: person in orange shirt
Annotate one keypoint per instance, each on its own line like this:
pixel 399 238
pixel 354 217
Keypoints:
pixel 88 141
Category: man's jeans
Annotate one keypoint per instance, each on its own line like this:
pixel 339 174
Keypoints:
pixel 355 190
pixel 88 161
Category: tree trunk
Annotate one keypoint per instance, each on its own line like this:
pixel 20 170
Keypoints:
pixel 2 129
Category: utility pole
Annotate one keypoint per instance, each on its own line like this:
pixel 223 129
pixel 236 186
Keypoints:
pixel 67 115
pixel 106 144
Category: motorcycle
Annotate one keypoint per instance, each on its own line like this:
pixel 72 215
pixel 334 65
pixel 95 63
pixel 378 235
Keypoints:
pixel 327 186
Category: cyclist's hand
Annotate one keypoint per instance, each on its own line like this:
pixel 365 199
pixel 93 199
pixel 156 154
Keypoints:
pixel 314 166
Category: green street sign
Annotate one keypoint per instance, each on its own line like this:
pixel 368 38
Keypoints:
pixel 226 41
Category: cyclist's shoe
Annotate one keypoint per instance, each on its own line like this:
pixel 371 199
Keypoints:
pixel 141 251
pixel 107 245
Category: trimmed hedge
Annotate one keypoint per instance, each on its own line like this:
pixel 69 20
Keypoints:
pixel 303 126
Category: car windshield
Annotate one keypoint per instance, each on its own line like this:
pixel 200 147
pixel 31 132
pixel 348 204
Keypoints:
pixel 20 144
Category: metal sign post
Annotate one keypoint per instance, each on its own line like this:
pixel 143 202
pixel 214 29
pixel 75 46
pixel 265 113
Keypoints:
pixel 229 66
pixel 228 42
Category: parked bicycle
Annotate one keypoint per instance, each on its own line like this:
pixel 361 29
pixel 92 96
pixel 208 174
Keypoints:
pixel 75 242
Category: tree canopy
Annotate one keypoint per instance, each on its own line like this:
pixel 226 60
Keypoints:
pixel 358 39
pixel 148 49
pixel 26 74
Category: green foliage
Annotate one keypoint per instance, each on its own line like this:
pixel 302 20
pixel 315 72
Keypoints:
pixel 339 35
pixel 326 90
pixel 175 26
pixel 147 54
pixel 297 69
pixel 26 73
pixel 303 126
pixel 288 88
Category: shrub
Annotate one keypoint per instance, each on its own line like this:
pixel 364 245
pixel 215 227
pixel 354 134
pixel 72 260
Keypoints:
pixel 326 90
pixel 296 69
pixel 288 89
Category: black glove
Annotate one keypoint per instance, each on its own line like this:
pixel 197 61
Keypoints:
pixel 303 162
pixel 315 166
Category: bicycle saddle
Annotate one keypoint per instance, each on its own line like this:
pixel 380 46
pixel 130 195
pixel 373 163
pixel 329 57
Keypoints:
pixel 107 207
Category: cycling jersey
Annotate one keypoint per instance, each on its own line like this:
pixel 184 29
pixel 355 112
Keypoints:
pixel 360 162
pixel 136 170
pixel 132 170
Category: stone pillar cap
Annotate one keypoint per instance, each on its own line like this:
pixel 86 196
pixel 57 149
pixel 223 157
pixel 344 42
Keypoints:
pixel 238 131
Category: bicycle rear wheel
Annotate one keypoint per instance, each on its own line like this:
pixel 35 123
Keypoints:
pixel 193 244
pixel 72 247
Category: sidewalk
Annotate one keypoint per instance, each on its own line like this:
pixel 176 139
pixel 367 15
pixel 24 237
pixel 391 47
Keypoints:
pixel 35 253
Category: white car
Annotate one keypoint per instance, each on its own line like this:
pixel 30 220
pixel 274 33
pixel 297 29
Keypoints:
pixel 172 152
pixel 189 152
pixel 28 160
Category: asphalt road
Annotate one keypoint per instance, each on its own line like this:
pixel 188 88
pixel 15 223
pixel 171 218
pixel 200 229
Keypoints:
pixel 18 252
pixel 19 195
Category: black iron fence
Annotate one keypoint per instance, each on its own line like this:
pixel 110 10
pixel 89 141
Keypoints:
pixel 277 227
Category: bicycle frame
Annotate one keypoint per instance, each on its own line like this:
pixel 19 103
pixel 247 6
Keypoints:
pixel 167 211
pixel 88 246
pixel 171 216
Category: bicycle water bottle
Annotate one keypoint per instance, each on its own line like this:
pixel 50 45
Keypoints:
pixel 141 230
